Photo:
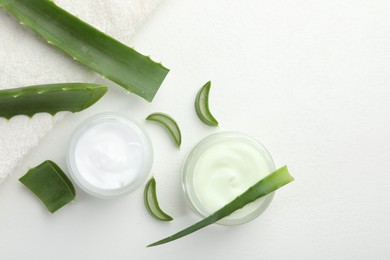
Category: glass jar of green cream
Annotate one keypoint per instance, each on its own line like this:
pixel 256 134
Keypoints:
pixel 221 167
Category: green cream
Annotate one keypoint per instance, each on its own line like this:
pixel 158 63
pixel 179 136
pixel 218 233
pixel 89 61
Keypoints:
pixel 225 170
pixel 220 168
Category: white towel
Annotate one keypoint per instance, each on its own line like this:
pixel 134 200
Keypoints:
pixel 28 60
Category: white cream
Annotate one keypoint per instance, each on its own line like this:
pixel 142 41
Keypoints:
pixel 109 154
pixel 224 166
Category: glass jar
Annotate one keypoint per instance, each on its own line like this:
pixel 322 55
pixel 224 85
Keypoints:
pixel 109 155
pixel 221 167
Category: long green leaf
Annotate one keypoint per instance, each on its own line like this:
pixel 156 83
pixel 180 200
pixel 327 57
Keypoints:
pixel 270 183
pixel 101 53
pixel 51 98
pixel 50 184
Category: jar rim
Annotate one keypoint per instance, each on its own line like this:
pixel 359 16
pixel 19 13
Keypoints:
pixel 187 175
pixel 143 172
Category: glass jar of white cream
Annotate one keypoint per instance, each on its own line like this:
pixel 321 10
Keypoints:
pixel 109 155
pixel 221 167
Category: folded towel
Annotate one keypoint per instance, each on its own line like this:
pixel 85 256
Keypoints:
pixel 22 67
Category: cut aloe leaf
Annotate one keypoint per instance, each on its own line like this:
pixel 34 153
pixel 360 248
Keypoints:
pixel 51 98
pixel 169 123
pixel 202 106
pixel 101 53
pixel 270 183
pixel 151 202
pixel 50 184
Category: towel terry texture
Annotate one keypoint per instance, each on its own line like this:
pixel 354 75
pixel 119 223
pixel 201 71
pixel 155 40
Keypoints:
pixel 28 60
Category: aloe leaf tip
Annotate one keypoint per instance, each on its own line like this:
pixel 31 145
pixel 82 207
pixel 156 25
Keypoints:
pixel 49 98
pixel 268 184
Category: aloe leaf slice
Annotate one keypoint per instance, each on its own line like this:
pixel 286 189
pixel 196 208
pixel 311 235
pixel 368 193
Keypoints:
pixel 202 106
pixel 50 184
pixel 169 123
pixel 270 183
pixel 91 47
pixel 151 202
pixel 51 98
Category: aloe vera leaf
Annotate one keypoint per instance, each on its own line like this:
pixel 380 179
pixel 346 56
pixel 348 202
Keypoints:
pixel 50 98
pixel 270 183
pixel 169 123
pixel 101 53
pixel 202 106
pixel 50 184
pixel 151 202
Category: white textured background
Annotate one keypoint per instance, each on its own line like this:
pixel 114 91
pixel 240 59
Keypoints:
pixel 309 79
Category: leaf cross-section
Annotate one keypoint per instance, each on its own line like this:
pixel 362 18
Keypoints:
pixel 50 184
